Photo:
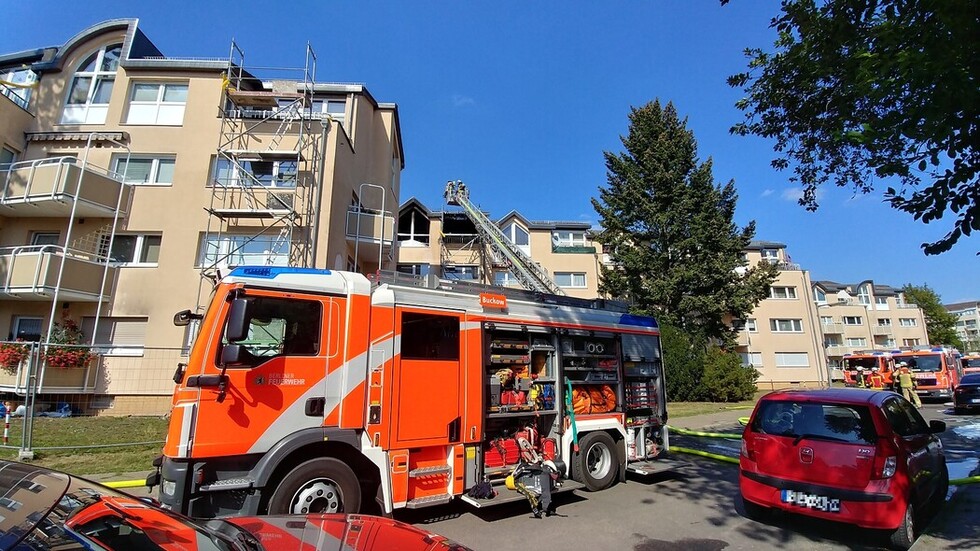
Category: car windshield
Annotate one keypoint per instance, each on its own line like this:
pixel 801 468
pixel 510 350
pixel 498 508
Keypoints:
pixel 823 421
pixel 41 509
pixel 865 362
pixel 932 362
pixel 971 379
pixel 971 362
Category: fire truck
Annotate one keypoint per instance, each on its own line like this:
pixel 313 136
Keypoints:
pixel 937 369
pixel 971 363
pixel 312 390
pixel 860 365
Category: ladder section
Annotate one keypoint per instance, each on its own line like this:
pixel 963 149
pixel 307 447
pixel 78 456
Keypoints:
pixel 528 273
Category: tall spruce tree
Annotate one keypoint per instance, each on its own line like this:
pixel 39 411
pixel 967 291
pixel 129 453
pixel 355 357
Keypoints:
pixel 669 229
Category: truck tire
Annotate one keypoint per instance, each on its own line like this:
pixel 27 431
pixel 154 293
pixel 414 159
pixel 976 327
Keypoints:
pixel 596 464
pixel 322 485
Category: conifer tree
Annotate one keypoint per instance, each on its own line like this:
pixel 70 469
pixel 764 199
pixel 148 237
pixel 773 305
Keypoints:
pixel 669 230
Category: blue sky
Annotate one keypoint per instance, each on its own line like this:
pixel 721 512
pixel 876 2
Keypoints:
pixel 520 99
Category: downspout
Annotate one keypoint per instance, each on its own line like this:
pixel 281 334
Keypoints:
pixel 319 190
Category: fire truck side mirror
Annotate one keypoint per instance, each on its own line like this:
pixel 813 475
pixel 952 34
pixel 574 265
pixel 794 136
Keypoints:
pixel 236 329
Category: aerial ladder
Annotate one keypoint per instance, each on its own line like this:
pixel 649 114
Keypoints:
pixel 527 272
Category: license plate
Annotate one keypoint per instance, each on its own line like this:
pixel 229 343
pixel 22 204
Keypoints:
pixel 975 400
pixel 811 501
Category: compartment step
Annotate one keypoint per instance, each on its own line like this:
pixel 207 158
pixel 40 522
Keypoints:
pixel 430 471
pixel 229 484
pixel 656 466
pixel 428 501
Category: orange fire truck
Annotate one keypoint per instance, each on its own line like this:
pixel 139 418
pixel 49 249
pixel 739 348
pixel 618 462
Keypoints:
pixel 321 391
pixel 859 366
pixel 971 363
pixel 937 369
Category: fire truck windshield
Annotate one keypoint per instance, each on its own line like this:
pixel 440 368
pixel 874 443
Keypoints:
pixel 866 363
pixel 932 362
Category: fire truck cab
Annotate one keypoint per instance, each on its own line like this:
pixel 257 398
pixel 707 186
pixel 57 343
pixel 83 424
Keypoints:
pixel 859 366
pixel 937 369
pixel 971 363
pixel 313 390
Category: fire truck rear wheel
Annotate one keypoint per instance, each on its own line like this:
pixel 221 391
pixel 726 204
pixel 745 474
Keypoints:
pixel 323 485
pixel 596 464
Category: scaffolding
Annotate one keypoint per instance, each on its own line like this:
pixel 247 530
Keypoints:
pixel 267 169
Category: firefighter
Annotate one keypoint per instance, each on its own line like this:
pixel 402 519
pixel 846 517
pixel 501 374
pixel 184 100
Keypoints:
pixel 907 383
pixel 861 381
pixel 876 380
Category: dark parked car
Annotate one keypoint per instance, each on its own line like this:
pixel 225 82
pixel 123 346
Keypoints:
pixel 966 395
pixel 45 509
pixel 857 456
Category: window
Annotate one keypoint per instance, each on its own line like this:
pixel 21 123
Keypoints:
pixel 864 296
pixel 278 326
pixel 908 322
pixel 753 359
pixel 792 359
pixel 16 84
pixel 568 238
pixel 413 269
pixel 132 250
pixel 27 328
pixel 517 235
pixel 771 255
pixel 243 250
pixel 903 418
pixel 853 320
pixel 910 342
pixel 884 322
pixel 461 272
pixel 746 325
pixel 429 337
pixel 856 341
pixel 336 108
pixel 782 292
pixel 572 280
pixel 157 103
pixel 505 279
pixel 91 87
pixel 836 423
pixel 826 320
pixel 41 238
pixel 7 158
pixel 117 336
pixel 881 303
pixel 786 325
pixel 278 174
pixel 145 170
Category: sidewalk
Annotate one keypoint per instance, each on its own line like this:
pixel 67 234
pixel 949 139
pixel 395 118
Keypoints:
pixel 957 526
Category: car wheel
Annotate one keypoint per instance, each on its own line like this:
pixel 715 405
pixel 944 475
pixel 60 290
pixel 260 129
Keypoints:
pixel 596 463
pixel 323 485
pixel 943 489
pixel 904 536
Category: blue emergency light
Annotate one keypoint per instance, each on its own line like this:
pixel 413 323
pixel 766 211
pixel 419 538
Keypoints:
pixel 272 272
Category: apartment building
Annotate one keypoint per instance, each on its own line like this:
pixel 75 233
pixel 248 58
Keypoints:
pixel 447 244
pixel 967 323
pixel 132 179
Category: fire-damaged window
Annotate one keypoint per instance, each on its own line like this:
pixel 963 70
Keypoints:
pixel 282 326
pixel 429 337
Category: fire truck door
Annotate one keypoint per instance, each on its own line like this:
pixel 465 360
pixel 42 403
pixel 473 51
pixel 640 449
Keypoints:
pixel 427 380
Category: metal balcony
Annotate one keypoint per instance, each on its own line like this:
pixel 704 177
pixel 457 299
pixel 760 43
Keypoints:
pixel 373 232
pixel 31 273
pixel 59 188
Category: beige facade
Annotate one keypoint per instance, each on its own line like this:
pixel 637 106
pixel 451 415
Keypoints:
pixel 135 177
pixel 447 244
pixel 967 323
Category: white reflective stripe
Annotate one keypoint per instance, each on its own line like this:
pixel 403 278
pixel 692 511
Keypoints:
pixel 468 325
pixel 186 428
pixel 380 459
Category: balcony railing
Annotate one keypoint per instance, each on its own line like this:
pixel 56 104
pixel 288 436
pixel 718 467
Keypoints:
pixel 572 249
pixel 31 273
pixel 50 187
pixel 881 330
pixel 369 226
pixel 909 306
pixel 833 328
pixel 742 338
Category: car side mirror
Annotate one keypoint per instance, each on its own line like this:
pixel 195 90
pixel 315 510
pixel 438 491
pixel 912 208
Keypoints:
pixel 936 427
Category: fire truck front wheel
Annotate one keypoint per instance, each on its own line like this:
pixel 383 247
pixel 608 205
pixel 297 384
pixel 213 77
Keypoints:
pixel 323 485
pixel 596 464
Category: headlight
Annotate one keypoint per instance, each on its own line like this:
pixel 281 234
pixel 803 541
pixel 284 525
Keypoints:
pixel 169 488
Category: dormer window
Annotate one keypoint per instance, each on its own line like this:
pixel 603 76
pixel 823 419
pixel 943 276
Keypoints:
pixel 91 87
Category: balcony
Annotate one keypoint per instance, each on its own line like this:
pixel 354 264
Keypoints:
pixel 52 188
pixel 833 328
pixel 50 379
pixel 840 349
pixel 31 273
pixel 372 231
pixel 885 330
pixel 742 338
pixel 909 306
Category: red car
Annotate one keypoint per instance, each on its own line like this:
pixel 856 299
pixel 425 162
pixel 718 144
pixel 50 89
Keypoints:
pixel 857 456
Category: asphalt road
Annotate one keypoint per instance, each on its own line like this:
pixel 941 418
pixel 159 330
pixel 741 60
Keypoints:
pixel 694 509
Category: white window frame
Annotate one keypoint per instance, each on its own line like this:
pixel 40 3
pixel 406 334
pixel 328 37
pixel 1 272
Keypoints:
pixel 154 176
pixel 826 320
pixel 770 255
pixel 819 296
pixel 856 342
pixel 860 320
pixel 864 295
pixel 225 173
pixel 158 111
pixel 569 238
pixel 776 323
pixel 141 245
pixel 751 325
pixel 753 359
pixel 41 238
pixel 470 270
pixel 117 336
pixel 239 250
pixel 15 328
pixel 881 303
pixel 782 293
pixel 792 360
pixel 20 95
pixel 884 322
pixel 910 342
pixel 908 322
pixel 512 230
pixel 416 268
pixel 89 111
pixel 8 157
pixel 504 278
pixel 576 280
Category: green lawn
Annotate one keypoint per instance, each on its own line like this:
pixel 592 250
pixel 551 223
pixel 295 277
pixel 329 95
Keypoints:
pixel 90 431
